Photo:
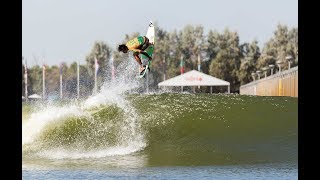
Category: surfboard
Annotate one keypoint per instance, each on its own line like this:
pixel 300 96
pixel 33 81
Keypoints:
pixel 145 60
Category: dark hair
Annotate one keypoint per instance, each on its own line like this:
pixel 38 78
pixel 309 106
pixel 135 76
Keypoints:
pixel 122 47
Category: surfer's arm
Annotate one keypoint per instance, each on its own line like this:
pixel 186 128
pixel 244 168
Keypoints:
pixel 136 50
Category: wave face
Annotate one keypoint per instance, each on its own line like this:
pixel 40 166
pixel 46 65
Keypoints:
pixel 204 129
pixel 168 129
pixel 121 127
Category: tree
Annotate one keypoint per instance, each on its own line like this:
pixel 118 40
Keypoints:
pixel 212 46
pixel 227 61
pixel 173 61
pixel 71 81
pixel 35 80
pixel 52 80
pixel 293 45
pixel 250 55
pixel 221 56
pixel 86 82
pixel 102 52
pixel 192 45
pixel 283 43
pixel 161 53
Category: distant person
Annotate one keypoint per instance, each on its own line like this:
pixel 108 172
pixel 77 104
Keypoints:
pixel 137 46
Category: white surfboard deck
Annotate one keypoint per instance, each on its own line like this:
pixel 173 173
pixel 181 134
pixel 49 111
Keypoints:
pixel 150 35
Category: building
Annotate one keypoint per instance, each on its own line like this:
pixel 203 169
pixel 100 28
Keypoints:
pixel 283 83
pixel 194 78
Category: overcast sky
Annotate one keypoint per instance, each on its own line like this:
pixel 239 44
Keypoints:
pixel 65 30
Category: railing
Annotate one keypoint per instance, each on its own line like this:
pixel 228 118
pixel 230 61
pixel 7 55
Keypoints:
pixel 284 83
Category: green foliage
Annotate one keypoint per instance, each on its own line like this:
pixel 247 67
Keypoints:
pixel 226 63
pixel 192 44
pixel 212 44
pixel 221 56
pixel 102 52
pixel 52 80
pixel 283 43
pixel 161 54
pixel 250 55
pixel 35 73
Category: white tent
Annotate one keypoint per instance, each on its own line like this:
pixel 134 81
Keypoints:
pixel 34 96
pixel 195 78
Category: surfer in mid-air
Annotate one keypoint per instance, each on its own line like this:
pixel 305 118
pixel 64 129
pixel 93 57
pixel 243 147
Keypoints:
pixel 137 46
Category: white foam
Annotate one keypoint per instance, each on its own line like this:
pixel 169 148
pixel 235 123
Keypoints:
pixel 112 92
pixel 38 120
pixel 131 139
pixel 76 154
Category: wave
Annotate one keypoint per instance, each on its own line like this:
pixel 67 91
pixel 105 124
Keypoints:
pixel 163 129
pixel 175 129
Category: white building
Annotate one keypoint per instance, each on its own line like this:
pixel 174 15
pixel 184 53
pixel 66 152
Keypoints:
pixel 195 78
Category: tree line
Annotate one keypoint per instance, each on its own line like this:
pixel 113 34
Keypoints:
pixel 221 54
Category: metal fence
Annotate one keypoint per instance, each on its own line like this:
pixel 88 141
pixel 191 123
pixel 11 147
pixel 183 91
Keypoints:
pixel 284 83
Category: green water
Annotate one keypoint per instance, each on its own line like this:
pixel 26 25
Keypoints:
pixel 171 130
pixel 204 129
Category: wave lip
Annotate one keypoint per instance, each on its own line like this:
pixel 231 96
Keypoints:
pixel 32 127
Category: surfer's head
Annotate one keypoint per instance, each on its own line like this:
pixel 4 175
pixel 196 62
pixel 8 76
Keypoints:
pixel 123 48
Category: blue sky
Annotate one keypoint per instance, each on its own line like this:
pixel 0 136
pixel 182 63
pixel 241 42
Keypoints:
pixel 65 30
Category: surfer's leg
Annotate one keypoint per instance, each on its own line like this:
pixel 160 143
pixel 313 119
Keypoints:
pixel 137 58
pixel 146 54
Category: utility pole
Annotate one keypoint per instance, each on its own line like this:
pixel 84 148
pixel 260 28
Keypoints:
pixel 164 68
pixel 25 79
pixel 78 81
pixel 61 66
pixel 43 81
pixel 96 67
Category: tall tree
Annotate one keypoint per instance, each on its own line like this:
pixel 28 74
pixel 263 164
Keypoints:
pixel 221 56
pixel 71 81
pixel 173 61
pixel 227 62
pixel 250 55
pixel 102 52
pixel 86 82
pixel 192 45
pixel 283 43
pixel 52 81
pixel 212 47
pixel 35 80
pixel 293 45
pixel 161 54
